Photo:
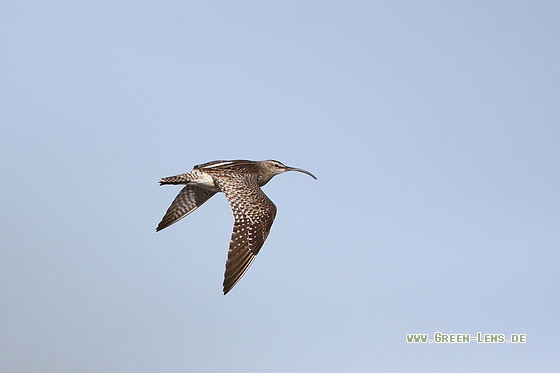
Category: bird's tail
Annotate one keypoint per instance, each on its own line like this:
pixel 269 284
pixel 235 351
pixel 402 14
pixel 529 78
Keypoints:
pixel 174 180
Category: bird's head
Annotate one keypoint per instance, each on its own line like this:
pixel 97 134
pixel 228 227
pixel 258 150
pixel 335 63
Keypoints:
pixel 271 168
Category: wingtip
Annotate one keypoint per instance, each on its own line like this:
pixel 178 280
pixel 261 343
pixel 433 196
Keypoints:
pixel 227 288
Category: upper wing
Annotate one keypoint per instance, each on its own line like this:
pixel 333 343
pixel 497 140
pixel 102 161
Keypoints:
pixel 188 200
pixel 253 214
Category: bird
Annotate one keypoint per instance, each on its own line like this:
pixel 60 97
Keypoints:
pixel 253 212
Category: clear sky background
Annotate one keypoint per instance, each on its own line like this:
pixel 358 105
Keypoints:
pixel 433 129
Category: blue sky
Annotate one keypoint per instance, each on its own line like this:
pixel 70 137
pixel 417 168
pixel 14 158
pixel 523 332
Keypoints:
pixel 433 129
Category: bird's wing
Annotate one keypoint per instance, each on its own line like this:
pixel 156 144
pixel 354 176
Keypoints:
pixel 188 200
pixel 253 214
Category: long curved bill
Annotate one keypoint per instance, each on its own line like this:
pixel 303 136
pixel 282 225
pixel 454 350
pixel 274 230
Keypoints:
pixel 300 170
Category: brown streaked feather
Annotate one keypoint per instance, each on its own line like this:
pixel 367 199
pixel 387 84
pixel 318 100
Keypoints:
pixel 189 199
pixel 253 215
pixel 236 165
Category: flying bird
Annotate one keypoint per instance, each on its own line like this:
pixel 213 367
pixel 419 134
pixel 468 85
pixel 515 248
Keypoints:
pixel 253 212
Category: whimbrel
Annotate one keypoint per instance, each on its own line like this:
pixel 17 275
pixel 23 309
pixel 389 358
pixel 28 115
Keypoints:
pixel 253 212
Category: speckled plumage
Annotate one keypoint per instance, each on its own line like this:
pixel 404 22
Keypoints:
pixel 253 212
